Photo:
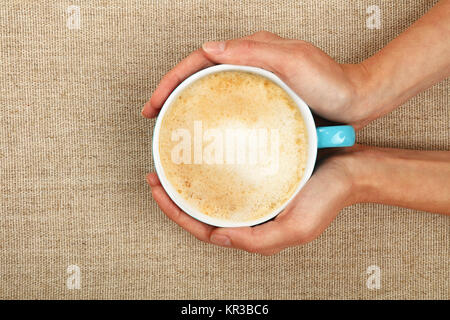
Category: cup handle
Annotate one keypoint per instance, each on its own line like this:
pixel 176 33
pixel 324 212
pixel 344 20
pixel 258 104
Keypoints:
pixel 335 136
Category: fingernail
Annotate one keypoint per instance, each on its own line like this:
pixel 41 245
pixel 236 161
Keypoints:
pixel 220 240
pixel 146 106
pixel 214 47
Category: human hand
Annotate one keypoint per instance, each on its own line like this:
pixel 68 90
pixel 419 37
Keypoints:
pixel 329 189
pixel 329 88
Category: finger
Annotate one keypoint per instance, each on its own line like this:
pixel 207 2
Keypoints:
pixel 148 111
pixel 247 52
pixel 267 238
pixel 200 230
pixel 303 220
pixel 153 180
pixel 191 64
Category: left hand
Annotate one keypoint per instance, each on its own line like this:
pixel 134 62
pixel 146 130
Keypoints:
pixel 332 90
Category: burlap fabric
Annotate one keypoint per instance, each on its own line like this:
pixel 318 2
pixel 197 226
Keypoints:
pixel 74 151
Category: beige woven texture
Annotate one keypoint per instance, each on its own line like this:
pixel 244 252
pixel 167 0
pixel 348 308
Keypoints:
pixel 74 151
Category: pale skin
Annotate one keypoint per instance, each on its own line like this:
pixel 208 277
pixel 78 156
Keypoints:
pixel 352 93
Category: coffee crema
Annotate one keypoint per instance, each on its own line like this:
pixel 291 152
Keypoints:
pixel 234 145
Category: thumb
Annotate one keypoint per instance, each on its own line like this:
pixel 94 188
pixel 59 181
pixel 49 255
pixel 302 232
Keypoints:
pixel 246 52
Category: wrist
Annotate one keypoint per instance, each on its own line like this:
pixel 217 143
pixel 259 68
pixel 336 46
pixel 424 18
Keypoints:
pixel 398 177
pixel 361 107
pixel 371 171
pixel 357 164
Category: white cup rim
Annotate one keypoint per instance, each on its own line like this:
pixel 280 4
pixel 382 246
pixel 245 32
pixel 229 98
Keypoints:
pixel 179 200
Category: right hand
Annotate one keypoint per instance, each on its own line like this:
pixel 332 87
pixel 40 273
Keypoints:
pixel 331 90
pixel 332 187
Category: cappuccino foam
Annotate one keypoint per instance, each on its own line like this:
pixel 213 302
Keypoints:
pixel 259 113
